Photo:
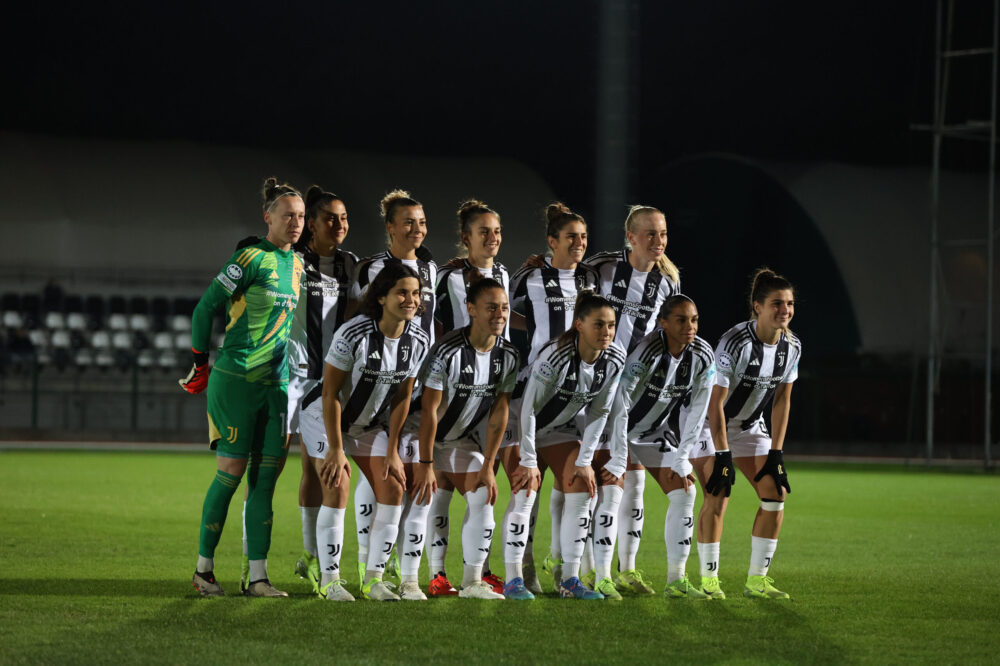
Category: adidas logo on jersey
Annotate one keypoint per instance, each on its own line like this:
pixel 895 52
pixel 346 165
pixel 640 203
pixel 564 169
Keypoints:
pixel 375 355
pixel 571 376
pixel 551 283
pixel 621 284
pixel 467 370
pixel 274 275
pixel 755 362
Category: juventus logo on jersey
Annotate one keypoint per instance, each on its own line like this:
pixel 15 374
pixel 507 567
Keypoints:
pixel 650 290
pixel 599 377
pixel 621 284
pixel 375 355
pixel 581 282
pixel 780 360
pixel 425 274
pixel 404 353
pixel 552 283
pixel 496 366
pixel 682 372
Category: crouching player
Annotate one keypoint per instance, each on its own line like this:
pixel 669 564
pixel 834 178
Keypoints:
pixel 663 397
pixel 465 395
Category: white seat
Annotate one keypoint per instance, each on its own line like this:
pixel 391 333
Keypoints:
pixel 118 322
pixel 61 340
pixel 180 323
pixel 101 340
pixel 55 320
pixel 167 359
pixel 121 340
pixel 84 358
pixel 146 358
pixel 139 322
pixel 104 358
pixel 39 338
pixel 12 319
pixel 163 340
pixel 76 321
pixel 182 341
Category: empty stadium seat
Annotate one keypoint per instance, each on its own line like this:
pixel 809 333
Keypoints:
pixel 163 340
pixel 76 321
pixel 54 319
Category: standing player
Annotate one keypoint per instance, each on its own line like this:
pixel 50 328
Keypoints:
pixel 328 294
pixel 569 391
pixel 479 234
pixel 637 280
pixel 545 290
pixel 405 230
pixel 757 360
pixel 367 380
pixel 465 398
pixel 660 408
pixel 248 392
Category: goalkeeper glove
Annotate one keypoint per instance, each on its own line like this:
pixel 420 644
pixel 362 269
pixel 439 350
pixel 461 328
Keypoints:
pixel 775 466
pixel 197 379
pixel 723 474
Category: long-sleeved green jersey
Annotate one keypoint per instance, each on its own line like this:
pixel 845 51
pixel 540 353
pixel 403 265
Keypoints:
pixel 260 285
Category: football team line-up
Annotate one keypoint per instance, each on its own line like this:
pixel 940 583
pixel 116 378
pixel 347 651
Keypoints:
pixel 407 367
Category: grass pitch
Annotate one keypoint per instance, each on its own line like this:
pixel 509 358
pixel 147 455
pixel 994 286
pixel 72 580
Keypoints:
pixel 884 565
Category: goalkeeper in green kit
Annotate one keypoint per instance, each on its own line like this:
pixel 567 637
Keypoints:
pixel 248 390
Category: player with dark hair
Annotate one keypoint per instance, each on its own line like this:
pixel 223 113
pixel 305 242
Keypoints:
pixel 567 397
pixel 660 408
pixel 248 392
pixel 367 383
pixel 465 395
pixel 757 360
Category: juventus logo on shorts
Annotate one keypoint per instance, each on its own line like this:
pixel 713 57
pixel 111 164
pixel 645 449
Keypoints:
pixel 231 434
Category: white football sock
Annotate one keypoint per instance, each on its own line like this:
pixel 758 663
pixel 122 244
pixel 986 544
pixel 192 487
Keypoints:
pixel 364 511
pixel 258 570
pixel 529 554
pixel 631 514
pixel 385 528
pixel 605 530
pixel 414 534
pixel 678 527
pixel 708 555
pixel 761 554
pixel 515 531
pixel 244 523
pixel 437 530
pixel 478 528
pixel 329 535
pixel 205 564
pixel 573 533
pixel 556 502
pixel 587 560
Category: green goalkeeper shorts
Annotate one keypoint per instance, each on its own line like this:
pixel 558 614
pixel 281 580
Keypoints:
pixel 245 417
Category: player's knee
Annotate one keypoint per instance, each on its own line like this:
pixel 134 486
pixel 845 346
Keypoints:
pixel 772 505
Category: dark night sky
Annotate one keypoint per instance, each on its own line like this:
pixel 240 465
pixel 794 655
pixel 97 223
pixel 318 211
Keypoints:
pixel 789 81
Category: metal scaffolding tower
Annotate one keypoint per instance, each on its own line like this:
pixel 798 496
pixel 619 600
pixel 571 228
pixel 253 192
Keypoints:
pixel 969 129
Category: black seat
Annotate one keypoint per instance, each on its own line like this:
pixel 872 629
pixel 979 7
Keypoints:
pixel 95 309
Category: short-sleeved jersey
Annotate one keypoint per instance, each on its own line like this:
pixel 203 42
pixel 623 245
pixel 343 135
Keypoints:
pixel 260 283
pixel 559 387
pixel 452 286
pixel 659 394
pixel 547 296
pixel 375 367
pixel 469 379
pixel 635 296
pixel 371 266
pixel 327 284
pixel 752 371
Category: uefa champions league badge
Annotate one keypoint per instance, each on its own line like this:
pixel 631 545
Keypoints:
pixel 341 348
pixel 725 360
pixel 234 271
pixel 545 371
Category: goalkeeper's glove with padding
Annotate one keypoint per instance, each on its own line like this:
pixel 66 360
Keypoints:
pixel 775 466
pixel 197 379
pixel 723 474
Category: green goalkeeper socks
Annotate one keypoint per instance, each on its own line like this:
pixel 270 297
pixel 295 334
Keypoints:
pixel 213 512
pixel 262 477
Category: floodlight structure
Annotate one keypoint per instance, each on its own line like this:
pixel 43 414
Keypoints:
pixel 976 130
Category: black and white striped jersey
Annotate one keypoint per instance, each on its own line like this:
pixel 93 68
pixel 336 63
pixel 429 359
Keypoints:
pixel 547 296
pixel 371 266
pixel 752 371
pixel 663 398
pixel 452 286
pixel 559 387
pixel 636 296
pixel 469 379
pixel 328 283
pixel 375 364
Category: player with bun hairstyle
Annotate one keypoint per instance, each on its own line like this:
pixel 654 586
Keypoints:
pixel 367 384
pixel 405 230
pixel 465 394
pixel 545 290
pixel 479 238
pixel 757 360
pixel 248 392
pixel 328 295
pixel 567 397
pixel 637 280
pixel 660 408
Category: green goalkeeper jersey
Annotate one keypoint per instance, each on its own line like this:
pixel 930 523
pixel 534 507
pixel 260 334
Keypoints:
pixel 260 286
